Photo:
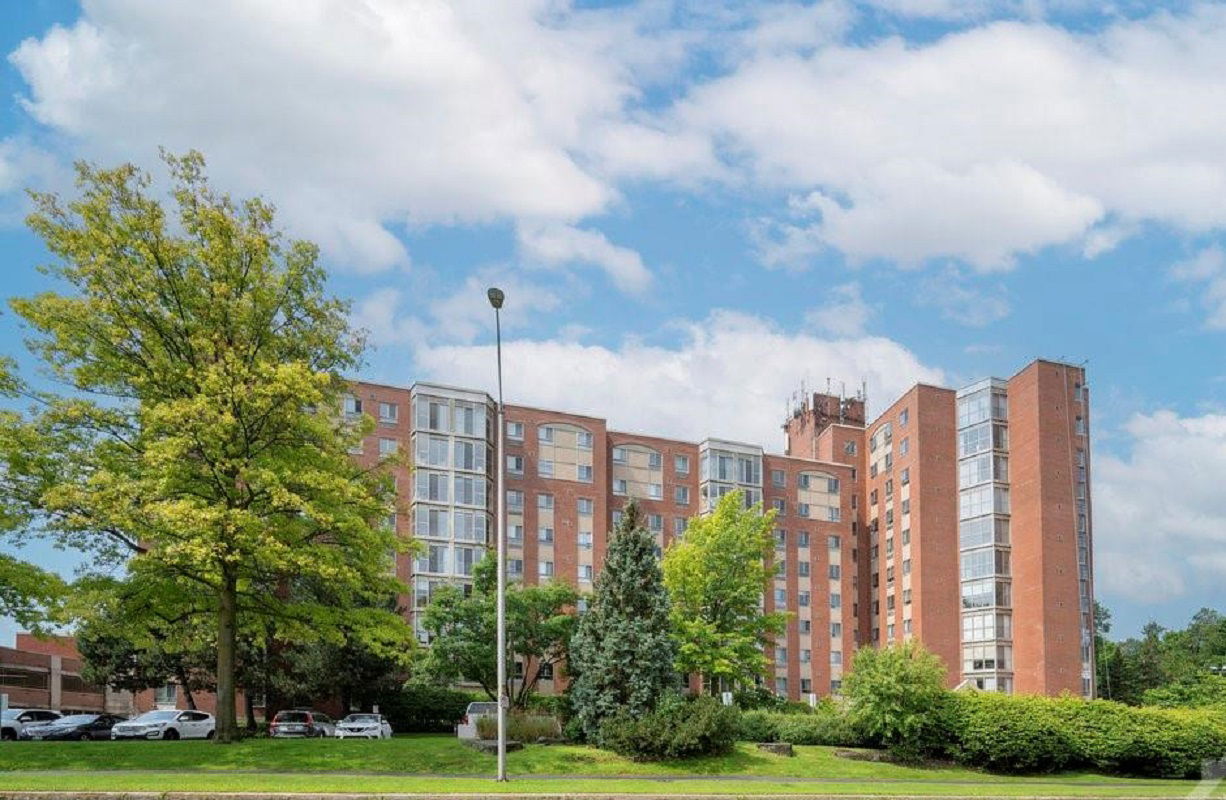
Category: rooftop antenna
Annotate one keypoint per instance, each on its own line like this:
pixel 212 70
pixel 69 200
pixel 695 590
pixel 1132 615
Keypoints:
pixel 842 402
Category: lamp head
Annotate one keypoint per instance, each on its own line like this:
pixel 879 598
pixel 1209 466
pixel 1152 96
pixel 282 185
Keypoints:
pixel 496 296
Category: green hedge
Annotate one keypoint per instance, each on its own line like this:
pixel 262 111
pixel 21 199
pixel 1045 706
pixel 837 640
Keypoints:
pixel 825 726
pixel 421 708
pixel 677 728
pixel 1040 734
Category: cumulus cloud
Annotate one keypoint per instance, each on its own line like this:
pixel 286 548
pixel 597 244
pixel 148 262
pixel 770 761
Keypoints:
pixel 989 142
pixel 353 116
pixel 1206 272
pixel 364 120
pixel 461 315
pixel 845 314
pixel 729 377
pixel 1159 521
pixel 554 245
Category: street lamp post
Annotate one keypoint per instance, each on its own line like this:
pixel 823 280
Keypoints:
pixel 496 297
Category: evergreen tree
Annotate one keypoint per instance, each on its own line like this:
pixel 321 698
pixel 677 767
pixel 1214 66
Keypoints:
pixel 622 654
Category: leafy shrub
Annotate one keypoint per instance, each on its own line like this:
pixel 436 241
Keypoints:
pixel 1031 734
pixel 424 708
pixel 896 694
pixel 1195 692
pixel 1010 733
pixel 521 727
pixel 758 726
pixel 677 728
pixel 834 729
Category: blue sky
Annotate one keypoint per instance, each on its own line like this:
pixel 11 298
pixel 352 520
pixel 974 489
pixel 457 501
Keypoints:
pixel 694 207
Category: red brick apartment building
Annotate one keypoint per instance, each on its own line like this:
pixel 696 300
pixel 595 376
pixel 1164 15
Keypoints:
pixel 959 518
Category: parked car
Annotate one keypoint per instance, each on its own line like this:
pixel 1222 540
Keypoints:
pixel 167 724
pixel 82 727
pixel 467 729
pixel 16 719
pixel 301 722
pixel 364 726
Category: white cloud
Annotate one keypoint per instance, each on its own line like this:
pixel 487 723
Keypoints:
pixel 354 115
pixel 729 377
pixel 1206 271
pixel 986 143
pixel 1159 520
pixel 462 315
pixel 556 245
pixel 961 299
pixel 846 313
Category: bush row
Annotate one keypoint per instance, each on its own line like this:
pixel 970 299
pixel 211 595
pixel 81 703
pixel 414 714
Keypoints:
pixel 824 726
pixel 521 727
pixel 1032 734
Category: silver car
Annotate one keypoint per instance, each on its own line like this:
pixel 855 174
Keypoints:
pixel 364 726
pixel 167 724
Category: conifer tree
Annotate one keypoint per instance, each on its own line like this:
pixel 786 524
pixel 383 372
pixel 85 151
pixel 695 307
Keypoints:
pixel 622 654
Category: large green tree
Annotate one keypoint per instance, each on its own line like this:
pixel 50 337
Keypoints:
pixel 894 692
pixel 197 436
pixel 462 628
pixel 623 654
pixel 716 575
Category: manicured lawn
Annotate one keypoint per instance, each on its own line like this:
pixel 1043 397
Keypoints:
pixel 420 764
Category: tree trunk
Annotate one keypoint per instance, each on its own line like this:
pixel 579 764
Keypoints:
pixel 187 687
pixel 249 704
pixel 227 620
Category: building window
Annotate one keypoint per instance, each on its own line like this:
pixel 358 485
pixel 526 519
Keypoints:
pixel 904 446
pixel 544 501
pixel 679 526
pixel 802 569
pixel 802 539
pixel 544 569
pixel 655 461
pixel 836 600
pixel 585 473
pixel 388 447
pixel 835 572
pixel 352 406
pixel 802 510
pixel 655 522
pixel 544 535
pixel 515 500
pixel 836 630
pixel 585 572
pixel 544 468
pixel 617 518
pixel 583 440
pixel 515 465
pixel 904 416
pixel 586 506
pixel 681 495
pixel 619 486
pixel 585 540
pixel 778 478
pixel 833 542
pixel 781 539
pixel 802 599
pixel 781 597
pixel 389 412
pixel 849 447
pixel 168 694
pixel 1081 426
pixel 781 686
pixel 780 507
pixel 681 465
pixel 836 658
pixel 515 431
pixel 619 455
pixel 544 433
pixel 515 534
pixel 655 491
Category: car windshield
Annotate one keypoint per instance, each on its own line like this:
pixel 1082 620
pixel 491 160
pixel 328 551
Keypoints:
pixel 362 718
pixel 157 716
pixel 292 716
pixel 11 713
pixel 482 708
pixel 76 719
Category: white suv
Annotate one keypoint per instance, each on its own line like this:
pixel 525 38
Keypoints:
pixel 16 719
pixel 167 725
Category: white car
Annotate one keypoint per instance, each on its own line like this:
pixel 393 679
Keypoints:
pixel 167 724
pixel 15 720
pixel 363 726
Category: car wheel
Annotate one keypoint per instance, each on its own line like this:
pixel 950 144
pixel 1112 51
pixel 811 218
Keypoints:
pixel 210 734
pixel 8 735
pixel 84 737
pixel 170 735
